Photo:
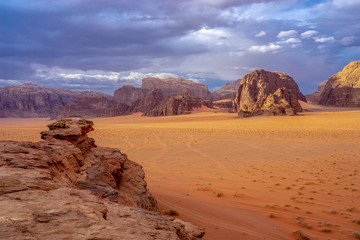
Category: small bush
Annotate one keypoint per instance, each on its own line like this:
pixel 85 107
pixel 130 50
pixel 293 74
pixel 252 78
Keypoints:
pixel 172 213
pixel 356 235
pixel 220 194
pixel 301 235
pixel 326 230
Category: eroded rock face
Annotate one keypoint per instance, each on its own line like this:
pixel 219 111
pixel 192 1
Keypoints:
pixel 315 96
pixel 86 107
pixel 30 100
pixel 343 88
pixel 177 105
pixel 128 94
pixel 55 189
pixel 271 93
pixel 148 102
pixel 176 86
pixel 228 91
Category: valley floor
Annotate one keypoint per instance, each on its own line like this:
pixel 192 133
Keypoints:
pixel 253 178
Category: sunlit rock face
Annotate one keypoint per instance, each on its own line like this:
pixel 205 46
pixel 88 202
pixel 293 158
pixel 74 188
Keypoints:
pixel 343 88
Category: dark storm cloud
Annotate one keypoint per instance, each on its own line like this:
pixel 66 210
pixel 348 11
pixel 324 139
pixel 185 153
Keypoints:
pixel 80 42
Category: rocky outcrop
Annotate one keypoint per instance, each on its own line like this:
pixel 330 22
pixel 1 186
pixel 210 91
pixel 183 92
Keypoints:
pixel 271 93
pixel 343 88
pixel 228 91
pixel 86 107
pixel 224 103
pixel 176 86
pixel 314 97
pixel 148 102
pixel 128 94
pixel 177 105
pixel 67 188
pixel 30 100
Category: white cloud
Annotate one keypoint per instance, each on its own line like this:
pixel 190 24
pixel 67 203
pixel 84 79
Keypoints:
pixel 265 48
pixel 346 41
pixel 309 33
pixel 260 34
pixel 290 40
pixel 345 3
pixel 324 39
pixel 285 34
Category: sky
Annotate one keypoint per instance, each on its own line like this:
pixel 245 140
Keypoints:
pixel 104 44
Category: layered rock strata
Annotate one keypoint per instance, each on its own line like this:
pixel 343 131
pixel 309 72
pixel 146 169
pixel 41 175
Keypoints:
pixel 271 93
pixel 343 88
pixel 67 188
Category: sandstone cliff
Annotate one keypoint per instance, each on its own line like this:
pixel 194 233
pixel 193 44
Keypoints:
pixel 263 92
pixel 315 96
pixel 86 107
pixel 148 102
pixel 177 105
pixel 176 86
pixel 228 91
pixel 30 100
pixel 67 188
pixel 343 88
pixel 128 94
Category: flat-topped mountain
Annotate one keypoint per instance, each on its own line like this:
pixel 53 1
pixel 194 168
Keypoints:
pixel 66 187
pixel 263 92
pixel 343 88
pixel 30 100
pixel 176 86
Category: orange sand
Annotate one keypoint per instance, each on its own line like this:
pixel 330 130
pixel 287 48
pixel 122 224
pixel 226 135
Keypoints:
pixel 253 178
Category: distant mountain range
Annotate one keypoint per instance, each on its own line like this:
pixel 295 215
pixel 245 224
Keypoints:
pixel 172 96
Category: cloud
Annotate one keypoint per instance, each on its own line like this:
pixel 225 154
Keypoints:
pixel 271 47
pixel 308 34
pixel 260 34
pixel 285 34
pixel 347 41
pixel 324 39
pixel 345 3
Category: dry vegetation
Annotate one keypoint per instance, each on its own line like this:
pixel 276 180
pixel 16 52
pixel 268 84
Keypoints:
pixel 278 176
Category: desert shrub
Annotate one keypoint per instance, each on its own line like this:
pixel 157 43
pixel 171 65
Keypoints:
pixel 301 235
pixel 172 213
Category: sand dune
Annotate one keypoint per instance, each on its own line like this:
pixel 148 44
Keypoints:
pixel 255 178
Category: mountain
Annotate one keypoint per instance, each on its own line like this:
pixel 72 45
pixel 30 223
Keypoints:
pixel 315 96
pixel 228 91
pixel 86 107
pixel 271 93
pixel 176 86
pixel 30 100
pixel 178 105
pixel 343 88
pixel 128 94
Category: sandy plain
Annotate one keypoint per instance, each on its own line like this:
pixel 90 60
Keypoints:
pixel 253 178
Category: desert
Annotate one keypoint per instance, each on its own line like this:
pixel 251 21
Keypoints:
pixel 241 178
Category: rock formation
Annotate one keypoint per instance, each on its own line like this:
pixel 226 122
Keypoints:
pixel 176 86
pixel 67 188
pixel 30 100
pixel 315 96
pixel 343 88
pixel 228 91
pixel 86 107
pixel 272 93
pixel 128 94
pixel 177 105
pixel 148 102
